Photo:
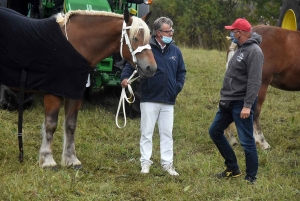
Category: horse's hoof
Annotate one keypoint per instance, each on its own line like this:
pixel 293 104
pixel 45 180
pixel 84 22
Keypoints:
pixel 233 142
pixel 53 168
pixel 265 146
pixel 77 167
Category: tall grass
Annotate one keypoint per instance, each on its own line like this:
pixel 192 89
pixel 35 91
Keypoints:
pixel 110 156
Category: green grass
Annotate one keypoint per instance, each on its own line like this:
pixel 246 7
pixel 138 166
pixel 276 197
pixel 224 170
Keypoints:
pixel 110 156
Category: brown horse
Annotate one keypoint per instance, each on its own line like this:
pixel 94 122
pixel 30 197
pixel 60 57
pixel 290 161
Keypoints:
pixel 281 69
pixel 75 41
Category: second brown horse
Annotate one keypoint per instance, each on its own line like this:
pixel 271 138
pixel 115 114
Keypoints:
pixel 281 69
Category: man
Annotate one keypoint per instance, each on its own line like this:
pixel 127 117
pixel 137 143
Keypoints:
pixel 158 95
pixel 238 99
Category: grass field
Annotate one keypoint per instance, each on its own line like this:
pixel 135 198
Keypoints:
pixel 110 156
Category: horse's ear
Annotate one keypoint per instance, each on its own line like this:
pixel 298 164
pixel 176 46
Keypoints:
pixel 126 14
pixel 147 17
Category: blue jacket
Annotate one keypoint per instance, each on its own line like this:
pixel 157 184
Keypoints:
pixel 169 78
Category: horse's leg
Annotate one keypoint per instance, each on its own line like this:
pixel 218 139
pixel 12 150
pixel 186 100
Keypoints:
pixel 229 133
pixel 258 134
pixel 69 155
pixel 51 104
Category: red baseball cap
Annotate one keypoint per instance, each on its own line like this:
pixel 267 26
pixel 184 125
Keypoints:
pixel 240 24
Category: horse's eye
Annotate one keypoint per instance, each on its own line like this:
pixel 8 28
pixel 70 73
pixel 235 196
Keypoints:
pixel 134 38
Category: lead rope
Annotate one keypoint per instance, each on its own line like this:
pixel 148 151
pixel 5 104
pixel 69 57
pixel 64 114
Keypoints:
pixel 20 117
pixel 124 97
pixel 130 80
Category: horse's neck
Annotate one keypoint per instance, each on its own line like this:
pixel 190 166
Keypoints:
pixel 95 37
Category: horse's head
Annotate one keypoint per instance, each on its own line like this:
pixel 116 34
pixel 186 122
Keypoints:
pixel 137 51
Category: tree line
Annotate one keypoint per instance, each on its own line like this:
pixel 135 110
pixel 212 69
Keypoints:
pixel 200 23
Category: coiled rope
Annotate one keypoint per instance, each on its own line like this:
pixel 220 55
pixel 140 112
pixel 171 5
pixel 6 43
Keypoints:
pixel 124 97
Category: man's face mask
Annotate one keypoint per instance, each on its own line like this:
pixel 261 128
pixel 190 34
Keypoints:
pixel 166 39
pixel 233 39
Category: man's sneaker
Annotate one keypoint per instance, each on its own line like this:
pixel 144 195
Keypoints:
pixel 171 170
pixel 145 168
pixel 229 174
pixel 250 180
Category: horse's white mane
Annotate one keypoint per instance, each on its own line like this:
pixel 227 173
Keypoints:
pixel 136 26
pixel 137 23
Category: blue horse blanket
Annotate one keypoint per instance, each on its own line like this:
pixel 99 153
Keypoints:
pixel 38 46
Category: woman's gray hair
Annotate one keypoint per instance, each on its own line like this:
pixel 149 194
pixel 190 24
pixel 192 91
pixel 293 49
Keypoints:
pixel 157 25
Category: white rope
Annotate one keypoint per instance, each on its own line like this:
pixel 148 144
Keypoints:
pixel 66 28
pixel 124 97
pixel 66 31
pixel 130 80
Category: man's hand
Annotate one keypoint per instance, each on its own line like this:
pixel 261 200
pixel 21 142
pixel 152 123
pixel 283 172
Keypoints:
pixel 124 83
pixel 245 113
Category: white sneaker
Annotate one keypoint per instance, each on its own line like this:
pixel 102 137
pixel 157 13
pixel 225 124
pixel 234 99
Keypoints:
pixel 171 170
pixel 145 168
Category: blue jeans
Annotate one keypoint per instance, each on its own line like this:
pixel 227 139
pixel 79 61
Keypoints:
pixel 244 128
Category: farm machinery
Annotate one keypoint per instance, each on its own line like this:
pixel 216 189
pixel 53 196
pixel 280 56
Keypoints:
pixel 107 72
pixel 289 15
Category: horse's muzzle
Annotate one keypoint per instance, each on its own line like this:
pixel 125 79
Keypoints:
pixel 147 71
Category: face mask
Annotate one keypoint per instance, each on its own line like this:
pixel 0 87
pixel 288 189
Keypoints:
pixel 166 39
pixel 233 39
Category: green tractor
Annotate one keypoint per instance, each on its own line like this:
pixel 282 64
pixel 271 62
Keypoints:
pixel 289 16
pixel 107 72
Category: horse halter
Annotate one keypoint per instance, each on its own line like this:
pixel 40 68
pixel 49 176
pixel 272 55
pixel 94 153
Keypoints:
pixel 133 53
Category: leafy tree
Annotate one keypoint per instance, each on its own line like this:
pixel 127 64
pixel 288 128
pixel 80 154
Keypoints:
pixel 266 11
pixel 200 23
